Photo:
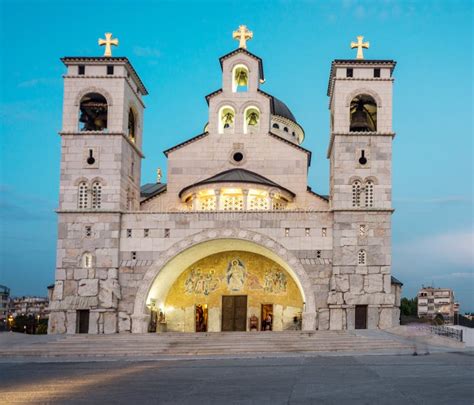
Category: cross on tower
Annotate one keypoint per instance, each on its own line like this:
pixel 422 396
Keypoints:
pixel 108 41
pixel 243 34
pixel 359 45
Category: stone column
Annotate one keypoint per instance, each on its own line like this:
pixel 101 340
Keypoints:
pixel 309 321
pixel 195 202
pixel 270 197
pixel 245 192
pixel 217 192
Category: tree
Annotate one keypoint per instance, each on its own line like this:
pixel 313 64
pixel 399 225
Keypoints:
pixel 409 306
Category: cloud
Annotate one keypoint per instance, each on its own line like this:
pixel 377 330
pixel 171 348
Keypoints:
pixel 449 199
pixel 453 248
pixel 45 81
pixel 146 51
pixel 15 206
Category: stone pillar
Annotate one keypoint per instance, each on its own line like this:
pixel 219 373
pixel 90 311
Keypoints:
pixel 270 197
pixel 195 202
pixel 309 321
pixel 140 323
pixel 245 192
pixel 217 192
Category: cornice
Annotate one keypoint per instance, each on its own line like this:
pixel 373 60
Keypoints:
pixel 334 134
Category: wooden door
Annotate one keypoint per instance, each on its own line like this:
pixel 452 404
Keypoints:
pixel 361 317
pixel 82 321
pixel 234 313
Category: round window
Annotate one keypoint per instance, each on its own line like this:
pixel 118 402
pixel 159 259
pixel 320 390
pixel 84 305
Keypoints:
pixel 238 156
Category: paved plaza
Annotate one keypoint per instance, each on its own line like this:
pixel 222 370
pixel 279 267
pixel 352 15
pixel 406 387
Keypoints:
pixel 440 378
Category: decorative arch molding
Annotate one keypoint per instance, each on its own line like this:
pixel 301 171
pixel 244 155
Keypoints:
pixel 363 90
pixel 263 243
pixel 372 179
pixel 92 89
pixel 98 179
pixel 355 178
pixel 80 180
pixel 252 103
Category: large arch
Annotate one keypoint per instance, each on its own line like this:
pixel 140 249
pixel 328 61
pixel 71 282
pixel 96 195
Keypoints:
pixel 161 275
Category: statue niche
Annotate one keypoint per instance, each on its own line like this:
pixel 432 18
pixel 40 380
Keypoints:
pixel 93 112
pixel 363 114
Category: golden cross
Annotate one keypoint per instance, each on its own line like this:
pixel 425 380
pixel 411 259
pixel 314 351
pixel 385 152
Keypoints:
pixel 359 45
pixel 108 41
pixel 243 34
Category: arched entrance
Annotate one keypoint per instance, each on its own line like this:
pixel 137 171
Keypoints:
pixel 160 278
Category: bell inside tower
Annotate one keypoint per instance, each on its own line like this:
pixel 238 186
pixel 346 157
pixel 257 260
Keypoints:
pixel 240 79
pixel 363 114
pixel 93 112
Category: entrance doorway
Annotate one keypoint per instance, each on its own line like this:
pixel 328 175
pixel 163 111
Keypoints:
pixel 201 318
pixel 361 317
pixel 82 321
pixel 234 313
pixel 267 317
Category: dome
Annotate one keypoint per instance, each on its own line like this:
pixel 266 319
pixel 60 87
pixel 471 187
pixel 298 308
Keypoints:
pixel 278 107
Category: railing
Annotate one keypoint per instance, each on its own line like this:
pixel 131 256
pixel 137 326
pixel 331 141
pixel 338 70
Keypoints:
pixel 445 331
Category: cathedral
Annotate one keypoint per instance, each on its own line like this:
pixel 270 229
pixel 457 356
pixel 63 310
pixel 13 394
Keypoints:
pixel 235 239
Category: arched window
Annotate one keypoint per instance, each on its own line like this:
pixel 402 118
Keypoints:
pixel 87 260
pixel 363 114
pixel 226 119
pixel 361 257
pixel 276 126
pixel 285 129
pixel 240 78
pixel 82 195
pixel 96 194
pixel 93 112
pixel 252 120
pixel 131 125
pixel 369 193
pixel 356 190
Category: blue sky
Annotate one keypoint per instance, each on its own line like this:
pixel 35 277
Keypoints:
pixel 175 48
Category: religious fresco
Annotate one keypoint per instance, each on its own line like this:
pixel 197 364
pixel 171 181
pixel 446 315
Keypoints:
pixel 234 272
pixel 236 275
pixel 199 282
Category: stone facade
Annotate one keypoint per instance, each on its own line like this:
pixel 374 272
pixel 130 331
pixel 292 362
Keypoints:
pixel 117 252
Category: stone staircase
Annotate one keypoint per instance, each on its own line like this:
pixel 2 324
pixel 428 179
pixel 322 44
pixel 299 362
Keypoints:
pixel 191 345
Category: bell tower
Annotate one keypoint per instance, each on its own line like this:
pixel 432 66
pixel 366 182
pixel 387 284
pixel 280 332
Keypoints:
pixel 101 152
pixel 360 153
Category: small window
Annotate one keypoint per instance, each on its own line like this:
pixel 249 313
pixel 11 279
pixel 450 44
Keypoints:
pixel 362 230
pixel 238 157
pixel 167 233
pixel 276 126
pixel 146 233
pixel 293 134
pixel 377 72
pixel 83 195
pixel 88 231
pixel 307 231
pixel 129 233
pixel 285 129
pixel 287 231
pixel 134 255
pixel 110 69
pixel 361 257
pixel 324 232
pixel 350 72
pixel 87 260
pixel 362 158
pixel 81 70
pixel 318 254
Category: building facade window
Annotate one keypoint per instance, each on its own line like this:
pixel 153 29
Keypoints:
pixel 96 195
pixel 369 193
pixel 356 191
pixel 83 195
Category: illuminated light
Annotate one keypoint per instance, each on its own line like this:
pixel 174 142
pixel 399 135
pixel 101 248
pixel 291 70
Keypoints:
pixel 232 191
pixel 206 192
